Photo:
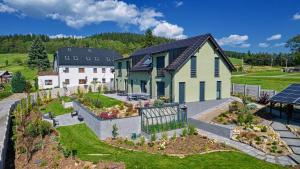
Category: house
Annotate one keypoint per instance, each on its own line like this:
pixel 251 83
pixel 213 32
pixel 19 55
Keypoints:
pixel 5 76
pixel 188 70
pixel 74 66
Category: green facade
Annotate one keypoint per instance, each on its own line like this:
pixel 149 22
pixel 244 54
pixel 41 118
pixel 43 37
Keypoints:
pixel 205 68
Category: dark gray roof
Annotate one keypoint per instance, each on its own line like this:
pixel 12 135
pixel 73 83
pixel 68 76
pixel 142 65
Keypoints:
pixel 73 56
pixel 290 95
pixel 191 44
pixel 144 64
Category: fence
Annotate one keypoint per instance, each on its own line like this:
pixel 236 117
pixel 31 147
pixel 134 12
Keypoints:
pixel 254 91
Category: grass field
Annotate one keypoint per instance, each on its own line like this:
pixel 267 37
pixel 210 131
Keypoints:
pixel 57 108
pixel 236 61
pixel 18 62
pixel 6 92
pixel 105 101
pixel 88 147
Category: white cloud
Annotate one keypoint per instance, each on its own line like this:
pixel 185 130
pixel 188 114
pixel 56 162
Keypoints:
pixel 178 3
pixel 80 13
pixel 6 9
pixel 274 37
pixel 58 36
pixel 296 16
pixel 168 30
pixel 234 41
pixel 263 45
pixel 280 44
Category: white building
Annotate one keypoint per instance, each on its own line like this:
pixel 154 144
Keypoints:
pixel 80 66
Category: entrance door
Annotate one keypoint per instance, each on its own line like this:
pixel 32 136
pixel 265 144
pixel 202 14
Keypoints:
pixel 160 89
pixel 202 91
pixel 219 90
pixel 181 92
pixel 131 84
pixel 126 86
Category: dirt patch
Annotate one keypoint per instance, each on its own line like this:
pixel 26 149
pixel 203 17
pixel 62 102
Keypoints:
pixel 193 144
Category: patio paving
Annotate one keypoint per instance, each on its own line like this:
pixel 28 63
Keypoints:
pixel 67 120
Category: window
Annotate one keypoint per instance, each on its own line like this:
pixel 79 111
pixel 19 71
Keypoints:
pixel 193 66
pixel 95 80
pixel 82 81
pixel 75 57
pixel 127 66
pixel 48 82
pixel 67 57
pixel 202 91
pixel 103 70
pixel 95 70
pixel 119 68
pixel 217 67
pixel 160 64
pixel 81 70
pixel 103 80
pixel 219 87
pixel 111 79
pixel 67 81
pixel 160 89
pixel 66 70
pixel 143 86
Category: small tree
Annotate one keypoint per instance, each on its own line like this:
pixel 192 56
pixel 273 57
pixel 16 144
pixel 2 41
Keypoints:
pixel 6 63
pixel 36 83
pixel 115 131
pixel 27 88
pixel 149 38
pixel 18 82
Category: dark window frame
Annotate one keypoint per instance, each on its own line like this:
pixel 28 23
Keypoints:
pixel 217 67
pixel 193 72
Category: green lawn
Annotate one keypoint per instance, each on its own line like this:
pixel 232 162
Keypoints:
pixel 18 62
pixel 57 108
pixel 274 83
pixel 88 147
pixel 105 101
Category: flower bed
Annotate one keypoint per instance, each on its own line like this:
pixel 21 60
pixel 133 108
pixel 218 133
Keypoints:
pixel 181 146
pixel 261 137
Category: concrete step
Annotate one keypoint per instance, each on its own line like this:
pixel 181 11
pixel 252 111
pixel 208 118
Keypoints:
pixel 292 142
pixel 287 134
pixel 296 150
pixel 295 158
pixel 279 126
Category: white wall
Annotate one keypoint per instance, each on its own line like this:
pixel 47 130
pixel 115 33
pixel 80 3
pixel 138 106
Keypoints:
pixel 88 74
pixel 41 81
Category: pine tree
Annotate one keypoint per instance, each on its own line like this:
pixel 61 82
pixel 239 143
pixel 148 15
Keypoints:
pixel 37 56
pixel 18 82
pixel 149 39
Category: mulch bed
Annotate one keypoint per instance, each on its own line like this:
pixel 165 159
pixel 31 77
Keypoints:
pixel 181 146
pixel 50 157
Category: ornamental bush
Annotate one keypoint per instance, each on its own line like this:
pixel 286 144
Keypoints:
pixel 18 82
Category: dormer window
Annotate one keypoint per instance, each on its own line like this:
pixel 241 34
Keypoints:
pixel 69 49
pixel 88 58
pixel 67 57
pixel 96 59
pixel 108 59
pixel 75 57
pixel 89 50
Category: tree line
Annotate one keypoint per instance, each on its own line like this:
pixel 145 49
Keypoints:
pixel 124 43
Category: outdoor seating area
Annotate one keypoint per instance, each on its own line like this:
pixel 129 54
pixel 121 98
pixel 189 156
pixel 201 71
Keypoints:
pixel 138 96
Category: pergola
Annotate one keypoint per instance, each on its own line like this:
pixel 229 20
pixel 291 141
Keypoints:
pixel 164 118
pixel 290 97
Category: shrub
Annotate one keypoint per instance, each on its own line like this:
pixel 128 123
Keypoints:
pixel 90 89
pixel 32 129
pixel 18 61
pixel 174 136
pixel 153 137
pixel 164 136
pixel 184 132
pixel 6 63
pixel 264 129
pixel 18 82
pixel 129 142
pixel 192 130
pixel 264 99
pixel 115 131
pixel 158 103
pixel 249 118
pixel 45 128
pixel 142 140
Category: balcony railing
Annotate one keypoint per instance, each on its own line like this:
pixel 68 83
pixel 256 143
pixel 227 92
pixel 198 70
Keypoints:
pixel 160 72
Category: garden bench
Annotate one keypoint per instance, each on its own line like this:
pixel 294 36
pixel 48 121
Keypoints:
pixel 74 113
pixel 55 122
pixel 80 118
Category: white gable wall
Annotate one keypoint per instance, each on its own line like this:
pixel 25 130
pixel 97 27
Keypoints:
pixel 42 81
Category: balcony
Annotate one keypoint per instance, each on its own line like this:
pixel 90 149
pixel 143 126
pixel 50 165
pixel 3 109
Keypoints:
pixel 160 72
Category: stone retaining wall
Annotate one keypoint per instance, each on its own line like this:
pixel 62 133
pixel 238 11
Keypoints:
pixel 103 128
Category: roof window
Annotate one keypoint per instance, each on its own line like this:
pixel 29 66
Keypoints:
pixel 75 57
pixel 67 57
pixel 88 58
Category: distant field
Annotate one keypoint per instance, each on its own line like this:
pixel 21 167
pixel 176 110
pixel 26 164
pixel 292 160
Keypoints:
pixel 267 77
pixel 18 62
pixel 236 61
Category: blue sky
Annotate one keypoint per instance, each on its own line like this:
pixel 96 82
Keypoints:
pixel 240 25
